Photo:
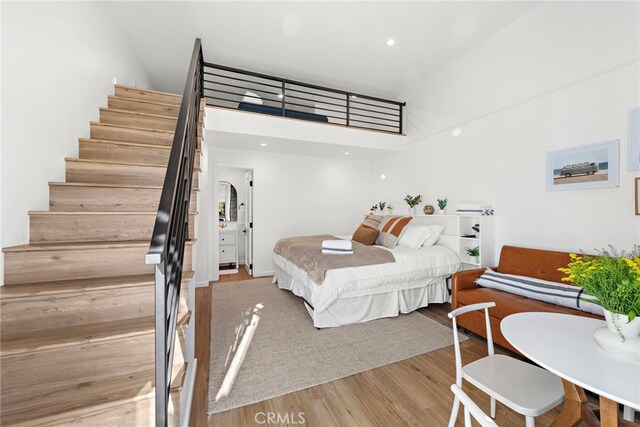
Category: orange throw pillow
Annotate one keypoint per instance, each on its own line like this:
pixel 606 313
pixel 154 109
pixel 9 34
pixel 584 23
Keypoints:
pixel 365 235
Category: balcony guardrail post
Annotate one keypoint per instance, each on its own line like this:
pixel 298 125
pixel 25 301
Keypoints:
pixel 348 108
pixel 283 97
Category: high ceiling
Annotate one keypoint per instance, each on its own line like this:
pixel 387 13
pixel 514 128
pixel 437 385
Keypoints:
pixel 335 44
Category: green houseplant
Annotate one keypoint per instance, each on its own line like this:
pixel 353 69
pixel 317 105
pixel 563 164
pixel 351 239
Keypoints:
pixel 613 279
pixel 413 201
pixel 442 204
pixel 474 254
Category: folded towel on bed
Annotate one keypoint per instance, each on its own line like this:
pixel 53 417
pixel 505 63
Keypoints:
pixel 340 245
pixel 337 251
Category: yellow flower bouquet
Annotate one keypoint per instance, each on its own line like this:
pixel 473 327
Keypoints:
pixel 612 277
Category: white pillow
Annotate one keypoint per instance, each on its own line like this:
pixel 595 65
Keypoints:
pixel 414 236
pixel 436 232
pixel 251 98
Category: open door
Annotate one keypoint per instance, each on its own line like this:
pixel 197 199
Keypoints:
pixel 248 222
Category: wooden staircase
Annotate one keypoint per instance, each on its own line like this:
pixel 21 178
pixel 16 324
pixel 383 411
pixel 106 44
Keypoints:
pixel 76 316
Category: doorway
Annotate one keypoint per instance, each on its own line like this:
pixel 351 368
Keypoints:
pixel 233 208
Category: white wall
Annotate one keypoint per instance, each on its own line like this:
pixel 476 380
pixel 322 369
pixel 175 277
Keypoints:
pixel 554 45
pixel 563 75
pixel 297 195
pixel 58 65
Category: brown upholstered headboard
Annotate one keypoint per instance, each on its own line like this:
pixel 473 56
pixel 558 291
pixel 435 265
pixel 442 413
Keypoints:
pixel 538 263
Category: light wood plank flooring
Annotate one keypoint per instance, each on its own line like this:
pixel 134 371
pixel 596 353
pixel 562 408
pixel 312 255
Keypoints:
pixel 413 392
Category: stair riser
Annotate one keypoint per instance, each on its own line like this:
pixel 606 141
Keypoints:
pixel 142 136
pixel 64 367
pixel 143 107
pixel 24 315
pixel 52 265
pixel 136 120
pixel 107 199
pixel 126 153
pixel 143 95
pixel 90 227
pixel 118 174
pixel 138 412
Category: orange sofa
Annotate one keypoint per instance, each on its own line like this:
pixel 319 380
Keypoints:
pixel 537 263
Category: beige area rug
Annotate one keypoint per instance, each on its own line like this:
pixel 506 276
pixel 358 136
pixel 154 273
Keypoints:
pixel 288 353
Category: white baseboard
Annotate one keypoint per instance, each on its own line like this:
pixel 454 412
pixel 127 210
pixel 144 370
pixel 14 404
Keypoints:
pixel 263 273
pixel 201 284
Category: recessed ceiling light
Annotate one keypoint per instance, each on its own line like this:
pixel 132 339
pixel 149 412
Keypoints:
pixel 391 42
pixel 346 153
pixel 353 97
pixel 264 144
pixel 456 132
pixel 280 96
pixel 383 176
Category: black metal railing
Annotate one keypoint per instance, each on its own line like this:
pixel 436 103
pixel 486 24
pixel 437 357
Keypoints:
pixel 249 91
pixel 170 232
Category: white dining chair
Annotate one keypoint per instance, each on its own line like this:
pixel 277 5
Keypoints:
pixel 523 387
pixel 471 409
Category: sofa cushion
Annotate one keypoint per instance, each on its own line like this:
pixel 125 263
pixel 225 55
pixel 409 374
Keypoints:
pixel 537 263
pixel 542 290
pixel 507 304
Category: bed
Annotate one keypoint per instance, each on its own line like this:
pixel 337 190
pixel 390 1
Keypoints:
pixel 349 295
pixel 277 111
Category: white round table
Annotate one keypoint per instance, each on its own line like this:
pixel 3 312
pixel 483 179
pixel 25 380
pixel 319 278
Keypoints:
pixel 564 344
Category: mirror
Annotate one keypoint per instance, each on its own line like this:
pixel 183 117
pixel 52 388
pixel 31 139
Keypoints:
pixel 227 202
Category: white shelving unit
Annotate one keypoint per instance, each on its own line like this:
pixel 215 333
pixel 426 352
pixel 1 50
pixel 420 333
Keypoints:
pixel 455 226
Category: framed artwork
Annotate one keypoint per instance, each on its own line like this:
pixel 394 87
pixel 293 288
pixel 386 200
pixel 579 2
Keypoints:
pixel 637 193
pixel 584 167
pixel 633 161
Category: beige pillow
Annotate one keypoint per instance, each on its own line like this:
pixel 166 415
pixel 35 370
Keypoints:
pixel 365 235
pixel 372 221
pixel 391 229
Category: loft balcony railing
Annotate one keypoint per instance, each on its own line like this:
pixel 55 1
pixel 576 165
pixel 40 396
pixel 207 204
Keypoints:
pixel 243 90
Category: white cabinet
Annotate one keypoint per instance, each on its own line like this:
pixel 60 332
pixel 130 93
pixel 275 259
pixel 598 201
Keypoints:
pixel 484 240
pixel 228 247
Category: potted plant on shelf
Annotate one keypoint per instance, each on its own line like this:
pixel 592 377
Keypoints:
pixel 390 210
pixel 374 209
pixel 474 254
pixel 413 201
pixel 612 280
pixel 381 206
pixel 442 204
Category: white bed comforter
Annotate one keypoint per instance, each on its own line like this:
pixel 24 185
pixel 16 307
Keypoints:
pixel 411 268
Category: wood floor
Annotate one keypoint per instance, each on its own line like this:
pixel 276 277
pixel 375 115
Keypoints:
pixel 413 392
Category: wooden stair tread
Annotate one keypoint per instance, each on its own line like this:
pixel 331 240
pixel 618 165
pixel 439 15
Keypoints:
pixel 137 113
pixel 86 398
pixel 110 162
pixel 137 89
pixel 29 290
pixel 78 246
pixel 133 127
pixel 48 339
pixel 142 101
pixel 91 184
pixel 88 213
pixel 131 144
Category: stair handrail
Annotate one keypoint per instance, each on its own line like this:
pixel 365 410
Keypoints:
pixel 171 231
